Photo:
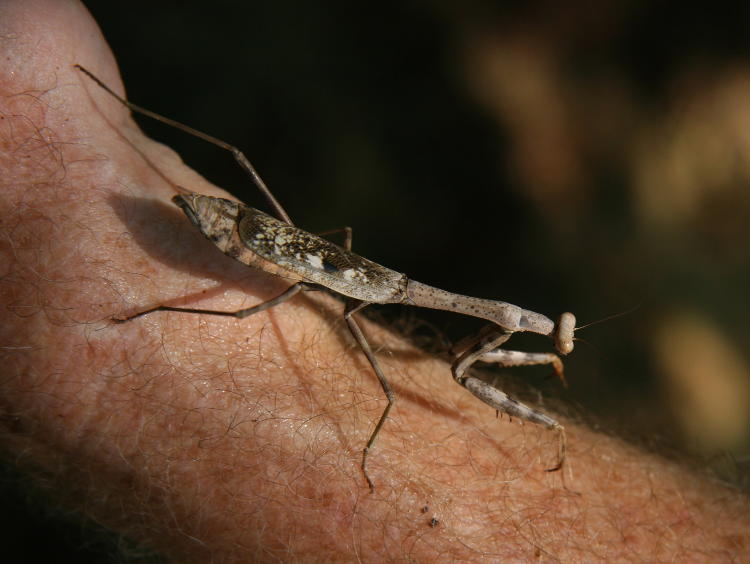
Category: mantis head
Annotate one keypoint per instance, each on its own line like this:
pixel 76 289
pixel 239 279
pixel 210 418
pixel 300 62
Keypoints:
pixel 563 334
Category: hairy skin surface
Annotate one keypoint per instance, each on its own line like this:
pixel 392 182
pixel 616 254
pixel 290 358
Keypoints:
pixel 213 439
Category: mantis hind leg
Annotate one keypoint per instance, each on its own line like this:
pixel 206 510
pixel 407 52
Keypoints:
pixel 239 314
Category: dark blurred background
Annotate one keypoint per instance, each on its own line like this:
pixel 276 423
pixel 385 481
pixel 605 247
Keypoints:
pixel 579 156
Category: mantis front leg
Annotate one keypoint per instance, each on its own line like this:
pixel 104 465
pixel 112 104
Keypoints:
pixel 475 349
pixel 485 347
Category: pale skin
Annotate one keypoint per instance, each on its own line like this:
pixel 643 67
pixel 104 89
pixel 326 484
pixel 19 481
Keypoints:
pixel 216 439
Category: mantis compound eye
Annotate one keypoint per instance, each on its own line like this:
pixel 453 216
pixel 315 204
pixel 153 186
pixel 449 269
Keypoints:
pixel 566 326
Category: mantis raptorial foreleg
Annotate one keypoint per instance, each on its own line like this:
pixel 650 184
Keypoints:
pixel 503 357
pixel 486 346
pixel 506 404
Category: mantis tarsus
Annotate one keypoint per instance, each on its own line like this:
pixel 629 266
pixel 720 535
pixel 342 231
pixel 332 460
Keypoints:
pixel 313 263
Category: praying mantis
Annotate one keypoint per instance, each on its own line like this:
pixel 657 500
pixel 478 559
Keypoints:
pixel 276 246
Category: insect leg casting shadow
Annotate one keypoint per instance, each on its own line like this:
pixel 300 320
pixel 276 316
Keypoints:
pixel 277 247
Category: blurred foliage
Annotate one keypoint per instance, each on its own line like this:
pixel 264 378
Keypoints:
pixel 561 156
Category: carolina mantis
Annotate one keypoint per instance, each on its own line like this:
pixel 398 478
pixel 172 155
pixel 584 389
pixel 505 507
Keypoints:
pixel 311 262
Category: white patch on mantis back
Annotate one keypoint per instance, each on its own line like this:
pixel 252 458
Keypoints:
pixel 315 261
